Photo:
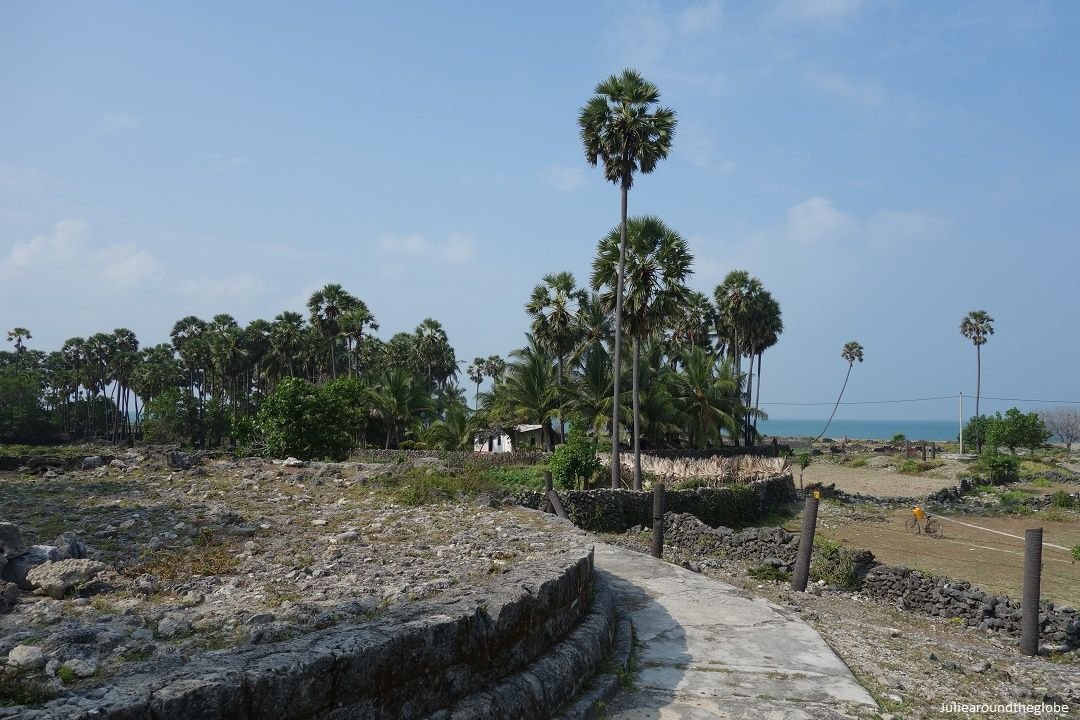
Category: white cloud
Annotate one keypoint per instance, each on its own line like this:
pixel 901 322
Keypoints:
pixel 816 221
pixel 403 244
pixel 126 265
pixel 458 247
pixel 564 177
pixel 112 122
pixel 864 93
pixel 64 245
pixel 815 11
pixel 242 285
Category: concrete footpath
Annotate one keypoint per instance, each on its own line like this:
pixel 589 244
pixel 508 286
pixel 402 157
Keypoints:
pixel 708 650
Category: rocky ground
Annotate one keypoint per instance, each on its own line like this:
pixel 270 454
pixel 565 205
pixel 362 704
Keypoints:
pixel 912 663
pixel 155 561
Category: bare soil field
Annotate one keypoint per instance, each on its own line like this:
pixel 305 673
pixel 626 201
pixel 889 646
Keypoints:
pixel 879 482
pixel 969 550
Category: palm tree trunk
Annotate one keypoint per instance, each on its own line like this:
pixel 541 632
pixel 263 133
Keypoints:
pixel 978 391
pixel 836 405
pixel 757 400
pixel 749 394
pixel 333 360
pixel 616 471
pixel 637 416
pixel 562 413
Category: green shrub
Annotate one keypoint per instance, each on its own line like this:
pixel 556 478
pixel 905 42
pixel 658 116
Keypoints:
pixel 172 417
pixel 1062 499
pixel 899 438
pixel 525 477
pixel 305 421
pixel 767 573
pixel 858 462
pixel 999 467
pixel 834 564
pixel 575 458
pixel 914 467
pixel 1076 553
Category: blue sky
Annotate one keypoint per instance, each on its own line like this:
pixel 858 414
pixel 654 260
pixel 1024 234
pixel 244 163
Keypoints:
pixel 883 167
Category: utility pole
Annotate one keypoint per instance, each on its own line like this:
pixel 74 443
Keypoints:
pixel 961 422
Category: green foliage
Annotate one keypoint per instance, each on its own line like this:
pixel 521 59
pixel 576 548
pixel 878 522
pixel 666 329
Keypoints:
pixel 858 462
pixel 524 477
pixel 833 563
pixel 767 573
pixel 1000 468
pixel 21 415
pixel 306 421
pixel 914 467
pixel 575 458
pixel 1013 430
pixel 1076 552
pixel 1062 499
pixel 805 459
pixel 172 417
pixel 66 675
pixel 899 438
pixel 420 487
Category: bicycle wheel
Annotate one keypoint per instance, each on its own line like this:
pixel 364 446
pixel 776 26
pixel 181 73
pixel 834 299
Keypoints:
pixel 933 528
pixel 911 525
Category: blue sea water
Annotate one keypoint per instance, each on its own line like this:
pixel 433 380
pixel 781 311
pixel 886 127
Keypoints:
pixel 863 429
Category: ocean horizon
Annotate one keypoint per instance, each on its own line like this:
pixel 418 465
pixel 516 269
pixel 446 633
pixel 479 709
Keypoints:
pixel 937 430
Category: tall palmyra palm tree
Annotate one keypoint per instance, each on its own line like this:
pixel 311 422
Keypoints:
pixel 553 307
pixel 353 322
pixel 286 336
pixel 851 352
pixel 495 368
pixel 621 128
pixel 656 262
pixel 764 326
pixel 326 307
pixel 475 372
pixel 977 326
pixel 17 335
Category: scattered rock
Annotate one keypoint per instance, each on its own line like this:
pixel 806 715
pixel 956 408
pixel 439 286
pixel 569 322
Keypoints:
pixel 981 667
pixel 93 462
pixel 56 578
pixel 26 657
pixel 68 547
pixel 17 568
pixel 172 626
pixel 178 460
pixel 81 668
pixel 9 595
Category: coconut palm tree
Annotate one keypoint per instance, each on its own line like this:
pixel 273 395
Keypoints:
pixel 553 307
pixel 708 392
pixel 851 352
pixel 326 307
pixel 475 372
pixel 622 128
pixel 977 326
pixel 765 330
pixel 531 387
pixel 399 398
pixel 656 262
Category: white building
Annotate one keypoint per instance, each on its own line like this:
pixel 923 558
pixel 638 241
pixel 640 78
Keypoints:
pixel 521 438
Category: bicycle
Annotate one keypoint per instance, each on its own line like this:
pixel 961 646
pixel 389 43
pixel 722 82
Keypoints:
pixel 930 527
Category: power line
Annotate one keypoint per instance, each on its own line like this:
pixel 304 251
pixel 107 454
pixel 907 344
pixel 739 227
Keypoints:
pixel 921 399
pixel 868 402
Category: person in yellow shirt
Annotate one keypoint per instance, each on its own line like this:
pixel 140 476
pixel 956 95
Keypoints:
pixel 920 518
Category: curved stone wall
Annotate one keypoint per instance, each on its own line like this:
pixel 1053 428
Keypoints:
pixel 416 660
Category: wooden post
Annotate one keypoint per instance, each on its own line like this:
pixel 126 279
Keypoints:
pixel 806 544
pixel 1029 608
pixel 556 503
pixel 659 507
pixel 924 452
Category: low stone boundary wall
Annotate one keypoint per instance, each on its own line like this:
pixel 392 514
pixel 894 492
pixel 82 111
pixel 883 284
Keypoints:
pixel 943 597
pixel 414 661
pixel 913 590
pixel 618 510
pixel 455 458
